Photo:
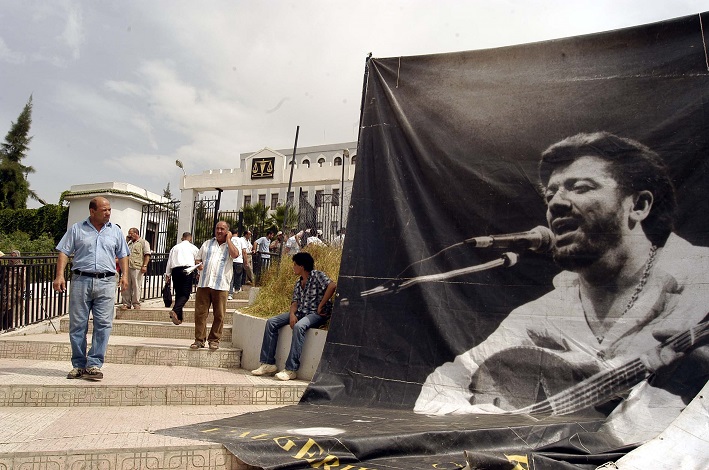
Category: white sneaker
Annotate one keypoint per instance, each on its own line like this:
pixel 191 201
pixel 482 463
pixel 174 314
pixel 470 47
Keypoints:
pixel 286 375
pixel 230 297
pixel 265 369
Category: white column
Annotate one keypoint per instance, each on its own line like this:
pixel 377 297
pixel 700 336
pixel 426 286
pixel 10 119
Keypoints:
pixel 184 222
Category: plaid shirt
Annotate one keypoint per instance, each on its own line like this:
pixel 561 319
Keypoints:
pixel 309 297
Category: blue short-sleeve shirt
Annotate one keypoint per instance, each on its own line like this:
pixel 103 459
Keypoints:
pixel 94 251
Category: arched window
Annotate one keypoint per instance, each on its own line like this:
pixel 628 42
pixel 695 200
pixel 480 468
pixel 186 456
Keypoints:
pixel 306 162
pixel 337 162
pixel 353 160
pixel 321 161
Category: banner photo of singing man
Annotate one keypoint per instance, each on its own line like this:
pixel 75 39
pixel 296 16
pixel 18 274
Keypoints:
pixel 525 279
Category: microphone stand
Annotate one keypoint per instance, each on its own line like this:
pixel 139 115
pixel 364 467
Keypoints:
pixel 506 260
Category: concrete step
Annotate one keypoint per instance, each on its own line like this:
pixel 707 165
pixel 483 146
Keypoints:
pixel 39 384
pixel 67 437
pixel 163 314
pixel 123 350
pixel 151 329
pixel 230 304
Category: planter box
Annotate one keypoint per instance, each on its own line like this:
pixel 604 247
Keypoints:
pixel 247 334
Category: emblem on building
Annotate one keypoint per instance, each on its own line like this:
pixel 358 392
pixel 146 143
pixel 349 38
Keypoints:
pixel 262 167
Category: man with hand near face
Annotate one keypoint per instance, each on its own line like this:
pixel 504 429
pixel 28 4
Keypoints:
pixel 216 270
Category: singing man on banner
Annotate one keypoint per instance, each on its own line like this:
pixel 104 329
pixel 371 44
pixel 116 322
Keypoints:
pixel 626 308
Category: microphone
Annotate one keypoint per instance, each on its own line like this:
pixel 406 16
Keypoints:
pixel 539 239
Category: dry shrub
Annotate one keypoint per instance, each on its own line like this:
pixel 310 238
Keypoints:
pixel 277 284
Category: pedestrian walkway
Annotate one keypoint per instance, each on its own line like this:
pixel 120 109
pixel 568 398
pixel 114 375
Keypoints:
pixel 152 381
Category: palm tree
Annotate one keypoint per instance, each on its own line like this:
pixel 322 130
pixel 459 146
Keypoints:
pixel 255 215
pixel 285 217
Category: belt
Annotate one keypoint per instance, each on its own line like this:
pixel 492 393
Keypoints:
pixel 95 275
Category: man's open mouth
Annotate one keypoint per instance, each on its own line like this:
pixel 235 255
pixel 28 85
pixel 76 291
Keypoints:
pixel 564 227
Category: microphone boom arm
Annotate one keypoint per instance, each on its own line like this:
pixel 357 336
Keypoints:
pixel 506 259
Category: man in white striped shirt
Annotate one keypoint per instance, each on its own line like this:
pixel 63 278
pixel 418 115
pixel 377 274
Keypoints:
pixel 216 271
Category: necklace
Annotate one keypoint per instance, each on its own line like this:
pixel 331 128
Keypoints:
pixel 638 288
pixel 643 279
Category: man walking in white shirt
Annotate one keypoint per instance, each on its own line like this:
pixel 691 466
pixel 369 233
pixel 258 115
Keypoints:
pixel 181 256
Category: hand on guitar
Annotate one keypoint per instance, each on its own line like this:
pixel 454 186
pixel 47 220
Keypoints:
pixel 666 361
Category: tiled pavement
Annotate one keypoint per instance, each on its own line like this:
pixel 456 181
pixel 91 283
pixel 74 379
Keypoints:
pixel 151 382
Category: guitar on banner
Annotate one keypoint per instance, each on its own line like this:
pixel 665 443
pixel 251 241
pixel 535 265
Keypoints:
pixel 536 381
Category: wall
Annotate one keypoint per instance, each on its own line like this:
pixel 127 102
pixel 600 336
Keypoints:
pixel 126 201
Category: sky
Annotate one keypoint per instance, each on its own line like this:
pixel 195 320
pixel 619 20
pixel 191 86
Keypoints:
pixel 123 89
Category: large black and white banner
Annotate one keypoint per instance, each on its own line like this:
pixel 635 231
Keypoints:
pixel 565 346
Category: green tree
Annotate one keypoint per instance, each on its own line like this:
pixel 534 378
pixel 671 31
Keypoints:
pixel 255 215
pixel 285 217
pixel 249 215
pixel 261 212
pixel 203 224
pixel 21 241
pixel 166 193
pixel 14 187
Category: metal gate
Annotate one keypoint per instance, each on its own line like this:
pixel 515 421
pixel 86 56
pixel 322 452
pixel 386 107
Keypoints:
pixel 324 215
pixel 158 225
pixel 234 218
pixel 203 219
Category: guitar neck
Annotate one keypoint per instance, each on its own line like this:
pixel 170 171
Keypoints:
pixel 597 389
pixel 604 385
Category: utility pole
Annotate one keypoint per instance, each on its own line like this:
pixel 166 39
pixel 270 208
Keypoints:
pixel 289 202
pixel 345 156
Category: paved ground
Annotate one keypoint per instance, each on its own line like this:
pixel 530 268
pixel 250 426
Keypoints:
pixel 62 429
pixel 48 421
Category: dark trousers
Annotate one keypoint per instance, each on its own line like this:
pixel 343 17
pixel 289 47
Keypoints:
pixel 236 280
pixel 183 288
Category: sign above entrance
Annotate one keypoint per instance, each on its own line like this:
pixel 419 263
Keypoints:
pixel 262 167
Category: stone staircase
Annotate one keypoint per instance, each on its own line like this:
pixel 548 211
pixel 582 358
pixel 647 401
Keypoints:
pixel 152 381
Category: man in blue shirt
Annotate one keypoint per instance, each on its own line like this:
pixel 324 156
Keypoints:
pixel 309 308
pixel 95 243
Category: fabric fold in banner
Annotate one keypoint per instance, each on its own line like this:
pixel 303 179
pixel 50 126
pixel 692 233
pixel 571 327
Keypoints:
pixel 378 439
pixel 557 358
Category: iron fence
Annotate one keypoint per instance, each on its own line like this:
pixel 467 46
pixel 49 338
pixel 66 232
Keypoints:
pixel 26 293
pixel 324 215
pixel 261 264
pixel 203 220
pixel 153 279
pixel 158 225
pixel 27 296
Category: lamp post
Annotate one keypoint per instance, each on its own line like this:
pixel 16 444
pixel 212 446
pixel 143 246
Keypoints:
pixel 345 155
pixel 179 165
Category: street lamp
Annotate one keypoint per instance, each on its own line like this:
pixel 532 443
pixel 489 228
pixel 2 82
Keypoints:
pixel 179 165
pixel 345 155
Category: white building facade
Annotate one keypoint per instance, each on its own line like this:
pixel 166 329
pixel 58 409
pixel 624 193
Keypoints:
pixel 321 173
pixel 127 208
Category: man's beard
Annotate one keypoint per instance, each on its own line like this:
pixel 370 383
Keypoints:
pixel 593 239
